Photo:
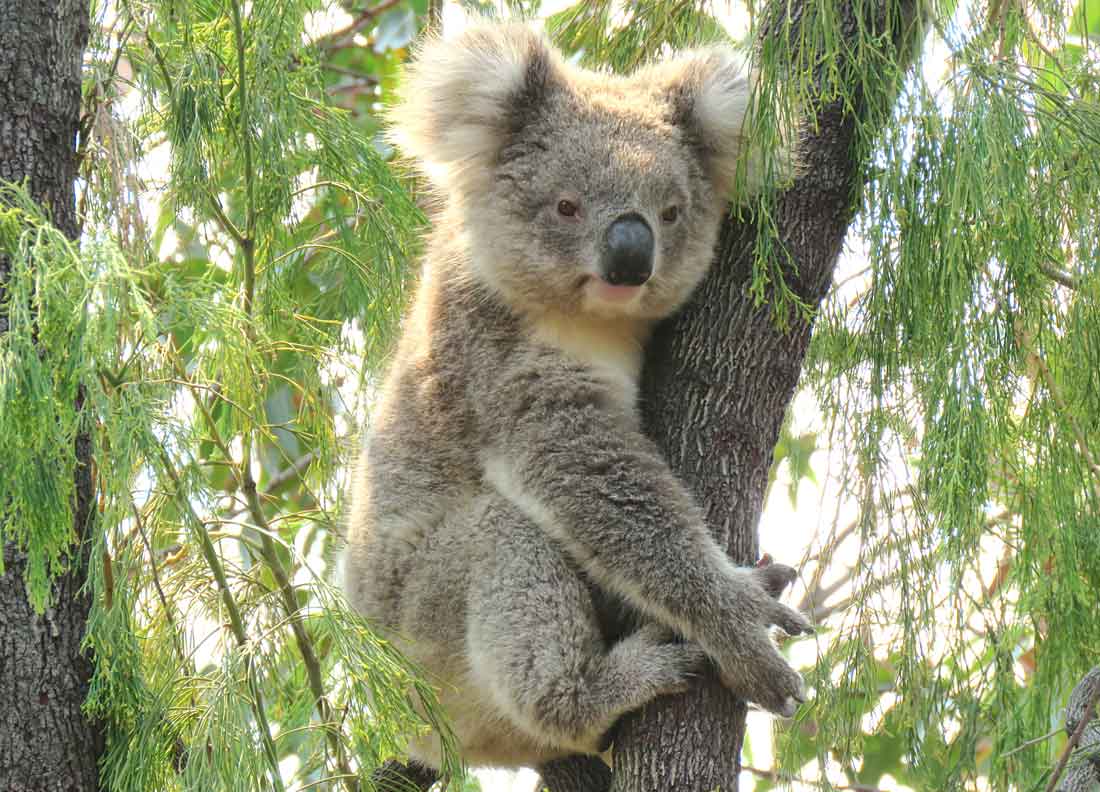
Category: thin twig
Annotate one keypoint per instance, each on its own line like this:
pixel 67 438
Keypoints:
pixel 1031 742
pixel 1060 276
pixel 292 471
pixel 1075 738
pixel 156 584
pixel 353 73
pixel 246 136
pixel 789 778
pixel 99 88
pixel 227 225
pixel 840 284
pixel 341 38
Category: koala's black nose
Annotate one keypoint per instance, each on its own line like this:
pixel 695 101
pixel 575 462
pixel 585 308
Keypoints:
pixel 628 257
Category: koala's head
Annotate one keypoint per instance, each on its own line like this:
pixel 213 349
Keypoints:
pixel 579 191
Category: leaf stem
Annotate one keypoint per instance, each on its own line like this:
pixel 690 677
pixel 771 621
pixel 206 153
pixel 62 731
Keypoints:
pixel 236 623
pixel 246 140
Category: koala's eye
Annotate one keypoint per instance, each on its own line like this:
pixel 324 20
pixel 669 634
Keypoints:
pixel 670 215
pixel 567 208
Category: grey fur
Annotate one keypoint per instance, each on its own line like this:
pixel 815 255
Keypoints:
pixel 507 510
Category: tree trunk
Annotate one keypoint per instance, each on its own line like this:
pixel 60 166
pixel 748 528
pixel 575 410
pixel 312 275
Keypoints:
pixel 45 741
pixel 718 380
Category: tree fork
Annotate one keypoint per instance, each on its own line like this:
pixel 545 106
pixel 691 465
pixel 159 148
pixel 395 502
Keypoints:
pixel 45 741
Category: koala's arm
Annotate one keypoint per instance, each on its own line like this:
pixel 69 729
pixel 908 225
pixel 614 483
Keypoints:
pixel 606 494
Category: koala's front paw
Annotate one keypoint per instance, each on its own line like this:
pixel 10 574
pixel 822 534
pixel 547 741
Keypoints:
pixel 749 663
pixel 772 578
pixel 758 673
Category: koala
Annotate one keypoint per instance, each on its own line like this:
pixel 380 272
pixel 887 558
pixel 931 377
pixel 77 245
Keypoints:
pixel 508 515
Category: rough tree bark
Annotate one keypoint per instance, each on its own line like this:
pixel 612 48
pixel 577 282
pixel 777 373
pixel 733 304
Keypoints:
pixel 45 741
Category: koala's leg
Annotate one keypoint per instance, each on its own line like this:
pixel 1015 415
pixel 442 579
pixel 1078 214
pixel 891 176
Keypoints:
pixel 535 648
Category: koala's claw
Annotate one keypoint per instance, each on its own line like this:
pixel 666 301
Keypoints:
pixel 779 690
pixel 786 701
pixel 790 707
pixel 791 621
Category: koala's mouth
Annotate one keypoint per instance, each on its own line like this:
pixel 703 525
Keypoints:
pixel 599 290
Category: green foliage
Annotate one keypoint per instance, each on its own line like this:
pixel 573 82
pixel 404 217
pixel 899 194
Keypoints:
pixel 49 351
pixel 797 452
pixel 962 385
pixel 208 332
pixel 602 36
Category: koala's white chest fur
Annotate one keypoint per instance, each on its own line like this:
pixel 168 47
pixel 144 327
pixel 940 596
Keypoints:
pixel 611 350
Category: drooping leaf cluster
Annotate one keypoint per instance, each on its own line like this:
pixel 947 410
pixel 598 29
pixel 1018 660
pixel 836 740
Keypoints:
pixel 960 376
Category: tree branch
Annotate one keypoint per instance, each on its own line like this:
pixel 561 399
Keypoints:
pixel 242 473
pixel 1080 713
pixel 776 776
pixel 341 38
pixel 1060 276
pixel 236 623
pixel 575 774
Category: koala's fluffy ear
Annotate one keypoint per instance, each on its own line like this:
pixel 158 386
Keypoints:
pixel 462 97
pixel 712 94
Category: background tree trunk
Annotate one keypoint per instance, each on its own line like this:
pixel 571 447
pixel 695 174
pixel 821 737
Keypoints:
pixel 719 378
pixel 45 742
